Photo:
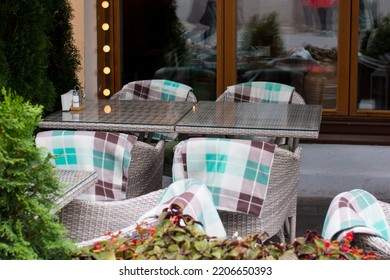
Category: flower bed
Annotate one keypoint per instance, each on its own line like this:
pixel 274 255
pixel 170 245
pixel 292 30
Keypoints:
pixel 178 237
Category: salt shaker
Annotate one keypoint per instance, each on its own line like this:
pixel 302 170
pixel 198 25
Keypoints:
pixel 76 99
pixel 76 96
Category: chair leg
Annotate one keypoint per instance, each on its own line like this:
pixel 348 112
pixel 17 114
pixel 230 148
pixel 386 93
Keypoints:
pixel 291 225
pixel 280 234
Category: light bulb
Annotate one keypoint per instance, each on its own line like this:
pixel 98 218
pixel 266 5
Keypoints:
pixel 105 26
pixel 106 92
pixel 106 70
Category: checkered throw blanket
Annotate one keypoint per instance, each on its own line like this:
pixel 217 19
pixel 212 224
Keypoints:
pixel 264 92
pixel 194 198
pixel 109 154
pixel 236 171
pixel 357 211
pixel 164 90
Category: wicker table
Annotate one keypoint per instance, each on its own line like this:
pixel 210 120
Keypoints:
pixel 121 116
pixel 76 182
pixel 291 121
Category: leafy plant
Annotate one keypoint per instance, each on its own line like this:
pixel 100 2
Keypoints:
pixel 28 230
pixel 264 32
pixel 377 41
pixel 178 238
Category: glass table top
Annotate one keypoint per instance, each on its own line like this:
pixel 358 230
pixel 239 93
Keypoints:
pixel 261 119
pixel 134 114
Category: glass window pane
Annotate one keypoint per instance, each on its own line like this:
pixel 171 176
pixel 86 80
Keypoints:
pixel 295 45
pixel 374 55
pixel 174 40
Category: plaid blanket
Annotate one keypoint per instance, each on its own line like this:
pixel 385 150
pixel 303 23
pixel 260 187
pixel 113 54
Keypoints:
pixel 195 199
pixel 356 211
pixel 236 171
pixel 264 92
pixel 109 154
pixel 164 90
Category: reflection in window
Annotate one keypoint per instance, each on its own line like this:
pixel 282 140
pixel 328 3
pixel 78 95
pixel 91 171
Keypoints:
pixel 296 45
pixel 374 55
pixel 173 40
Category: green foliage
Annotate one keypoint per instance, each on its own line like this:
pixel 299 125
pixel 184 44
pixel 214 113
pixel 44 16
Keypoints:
pixel 27 182
pixel 377 41
pixel 173 33
pixel 36 46
pixel 64 57
pixel 264 32
pixel 177 238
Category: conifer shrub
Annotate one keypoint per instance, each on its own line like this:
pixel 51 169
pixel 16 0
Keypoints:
pixel 28 230
pixel 38 58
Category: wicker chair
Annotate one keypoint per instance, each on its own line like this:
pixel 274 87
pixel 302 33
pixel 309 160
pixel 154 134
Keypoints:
pixel 296 98
pixel 157 89
pixel 89 219
pixel 144 90
pixel 280 202
pixel 375 244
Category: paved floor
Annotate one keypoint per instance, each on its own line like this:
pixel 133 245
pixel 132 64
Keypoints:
pixel 311 214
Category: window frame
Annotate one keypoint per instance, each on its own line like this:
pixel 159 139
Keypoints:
pixel 344 116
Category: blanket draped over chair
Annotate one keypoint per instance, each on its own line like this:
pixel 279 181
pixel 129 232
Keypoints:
pixel 355 211
pixel 152 90
pixel 107 153
pixel 263 92
pixel 194 198
pixel 236 171
pixel 164 90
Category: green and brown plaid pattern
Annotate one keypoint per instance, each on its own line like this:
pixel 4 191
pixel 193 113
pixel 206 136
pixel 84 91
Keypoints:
pixel 236 171
pixel 357 211
pixel 194 198
pixel 164 90
pixel 155 89
pixel 264 92
pixel 107 153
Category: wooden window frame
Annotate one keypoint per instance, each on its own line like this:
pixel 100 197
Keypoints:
pixel 344 120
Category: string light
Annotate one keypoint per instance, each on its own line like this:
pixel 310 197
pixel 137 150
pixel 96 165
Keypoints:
pixel 107 109
pixel 105 26
pixel 106 48
pixel 105 4
pixel 106 70
pixel 106 92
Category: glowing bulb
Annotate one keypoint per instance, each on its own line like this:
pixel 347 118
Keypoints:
pixel 105 4
pixel 106 92
pixel 106 48
pixel 106 70
pixel 107 109
pixel 105 26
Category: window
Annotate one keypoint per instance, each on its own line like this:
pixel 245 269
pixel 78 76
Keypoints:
pixel 324 48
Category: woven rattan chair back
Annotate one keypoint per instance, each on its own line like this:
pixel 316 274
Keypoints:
pixel 89 219
pixel 296 98
pixel 280 203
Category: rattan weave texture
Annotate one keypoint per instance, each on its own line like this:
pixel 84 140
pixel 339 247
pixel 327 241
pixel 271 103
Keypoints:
pixel 280 203
pixel 377 245
pixel 87 219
